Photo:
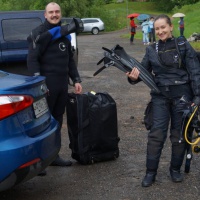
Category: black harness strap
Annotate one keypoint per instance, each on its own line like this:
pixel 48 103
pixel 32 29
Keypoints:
pixel 181 48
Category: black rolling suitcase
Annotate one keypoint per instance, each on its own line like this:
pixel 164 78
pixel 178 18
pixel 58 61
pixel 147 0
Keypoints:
pixel 92 127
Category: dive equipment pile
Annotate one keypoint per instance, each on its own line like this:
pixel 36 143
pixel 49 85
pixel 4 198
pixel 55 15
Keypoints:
pixel 190 132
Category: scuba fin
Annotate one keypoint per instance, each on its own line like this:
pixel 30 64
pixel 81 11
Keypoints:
pixel 144 75
pixel 119 58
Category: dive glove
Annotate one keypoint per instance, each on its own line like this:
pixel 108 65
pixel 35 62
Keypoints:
pixel 72 27
pixel 59 31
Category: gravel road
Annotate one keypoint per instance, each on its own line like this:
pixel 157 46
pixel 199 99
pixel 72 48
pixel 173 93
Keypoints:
pixel 119 179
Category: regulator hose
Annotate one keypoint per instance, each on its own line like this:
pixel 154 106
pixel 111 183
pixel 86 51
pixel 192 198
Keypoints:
pixel 186 128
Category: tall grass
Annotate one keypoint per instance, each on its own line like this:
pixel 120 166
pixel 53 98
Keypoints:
pixel 117 13
pixel 191 20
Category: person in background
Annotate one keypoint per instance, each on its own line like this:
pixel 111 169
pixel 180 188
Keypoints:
pixel 50 55
pixel 152 36
pixel 181 26
pixel 145 31
pixel 133 27
pixel 174 80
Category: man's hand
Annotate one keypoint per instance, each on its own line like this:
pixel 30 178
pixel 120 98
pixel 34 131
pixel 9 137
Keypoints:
pixel 78 88
pixel 72 27
pixel 77 25
pixel 59 31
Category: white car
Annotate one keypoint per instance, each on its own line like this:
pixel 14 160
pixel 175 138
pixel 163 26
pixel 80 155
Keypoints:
pixel 93 25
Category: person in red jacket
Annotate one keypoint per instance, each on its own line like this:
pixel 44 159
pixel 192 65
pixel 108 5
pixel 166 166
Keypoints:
pixel 133 29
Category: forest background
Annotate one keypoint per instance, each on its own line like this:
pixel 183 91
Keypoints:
pixel 115 14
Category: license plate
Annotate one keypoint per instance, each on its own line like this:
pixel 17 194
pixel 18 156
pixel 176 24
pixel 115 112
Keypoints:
pixel 40 107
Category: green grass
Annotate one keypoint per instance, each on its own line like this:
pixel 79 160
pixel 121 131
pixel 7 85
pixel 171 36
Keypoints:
pixel 191 20
pixel 118 13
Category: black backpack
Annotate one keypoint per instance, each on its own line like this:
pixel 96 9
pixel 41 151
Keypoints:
pixel 92 127
pixel 180 42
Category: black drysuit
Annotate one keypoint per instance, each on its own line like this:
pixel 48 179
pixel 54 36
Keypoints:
pixel 174 80
pixel 53 59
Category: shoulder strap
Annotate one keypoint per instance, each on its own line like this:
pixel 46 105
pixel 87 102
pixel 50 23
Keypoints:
pixel 181 48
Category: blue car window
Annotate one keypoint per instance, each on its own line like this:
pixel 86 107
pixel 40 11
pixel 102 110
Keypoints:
pixel 19 29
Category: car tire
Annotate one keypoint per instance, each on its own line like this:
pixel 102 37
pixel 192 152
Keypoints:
pixel 95 31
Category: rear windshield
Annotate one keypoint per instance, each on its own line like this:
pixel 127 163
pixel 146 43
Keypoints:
pixel 18 29
pixel 86 21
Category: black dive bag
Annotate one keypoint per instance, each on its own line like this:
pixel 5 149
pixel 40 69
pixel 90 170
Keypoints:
pixel 92 127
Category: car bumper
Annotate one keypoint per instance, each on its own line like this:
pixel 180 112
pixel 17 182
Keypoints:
pixel 42 150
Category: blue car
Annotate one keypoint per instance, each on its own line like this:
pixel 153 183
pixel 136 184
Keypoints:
pixel 29 136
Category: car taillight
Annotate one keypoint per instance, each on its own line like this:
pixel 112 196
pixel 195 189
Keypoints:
pixel 11 104
pixel 32 162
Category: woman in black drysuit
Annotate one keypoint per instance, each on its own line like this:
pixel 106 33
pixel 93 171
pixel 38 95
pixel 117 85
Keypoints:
pixel 173 80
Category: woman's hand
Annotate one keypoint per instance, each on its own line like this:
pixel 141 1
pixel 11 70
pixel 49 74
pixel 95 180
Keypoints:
pixel 134 74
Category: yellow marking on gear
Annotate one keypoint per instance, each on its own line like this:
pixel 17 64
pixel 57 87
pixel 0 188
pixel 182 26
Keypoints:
pixel 92 92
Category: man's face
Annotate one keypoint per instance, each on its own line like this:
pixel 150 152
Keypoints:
pixel 53 13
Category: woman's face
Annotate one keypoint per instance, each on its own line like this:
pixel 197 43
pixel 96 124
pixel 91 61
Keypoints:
pixel 162 29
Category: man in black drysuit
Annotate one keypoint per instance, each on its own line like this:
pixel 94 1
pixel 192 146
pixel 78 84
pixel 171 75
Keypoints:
pixel 50 55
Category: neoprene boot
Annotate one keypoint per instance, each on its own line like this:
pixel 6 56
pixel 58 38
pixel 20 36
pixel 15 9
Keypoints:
pixel 151 172
pixel 43 173
pixel 60 162
pixel 177 157
pixel 154 148
pixel 149 179
pixel 176 175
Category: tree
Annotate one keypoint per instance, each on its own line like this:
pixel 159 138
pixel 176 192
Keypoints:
pixel 168 5
pixel 69 7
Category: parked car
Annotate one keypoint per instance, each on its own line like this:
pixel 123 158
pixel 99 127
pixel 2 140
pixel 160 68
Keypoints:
pixel 93 25
pixel 29 136
pixel 15 26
